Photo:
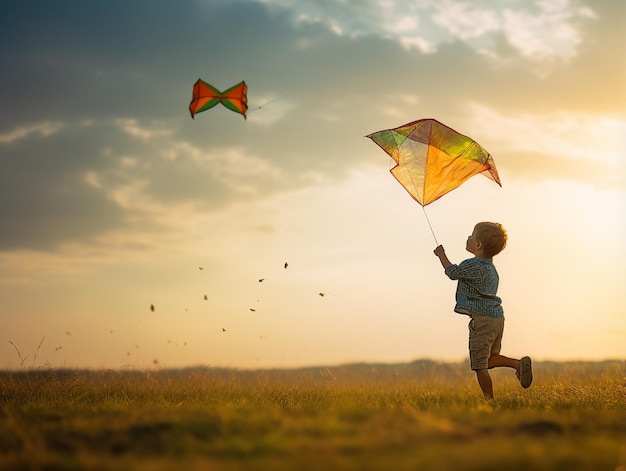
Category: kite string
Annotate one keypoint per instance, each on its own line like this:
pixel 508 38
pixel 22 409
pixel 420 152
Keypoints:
pixel 431 227
pixel 325 77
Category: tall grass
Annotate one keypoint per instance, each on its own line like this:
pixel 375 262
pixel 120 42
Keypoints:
pixel 421 415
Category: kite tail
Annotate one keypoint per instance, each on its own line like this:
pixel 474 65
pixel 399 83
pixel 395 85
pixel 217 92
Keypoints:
pixel 431 227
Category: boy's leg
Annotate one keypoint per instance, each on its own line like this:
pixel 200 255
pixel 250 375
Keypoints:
pixel 497 361
pixel 481 338
pixel 484 380
pixel 523 367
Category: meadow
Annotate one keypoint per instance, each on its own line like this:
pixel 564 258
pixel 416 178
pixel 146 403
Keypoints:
pixel 422 415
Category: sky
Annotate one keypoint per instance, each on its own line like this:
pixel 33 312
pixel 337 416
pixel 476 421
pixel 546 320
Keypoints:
pixel 113 200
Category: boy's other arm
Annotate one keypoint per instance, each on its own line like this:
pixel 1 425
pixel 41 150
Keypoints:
pixel 443 258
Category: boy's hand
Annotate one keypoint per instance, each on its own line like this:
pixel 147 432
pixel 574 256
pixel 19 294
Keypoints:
pixel 439 251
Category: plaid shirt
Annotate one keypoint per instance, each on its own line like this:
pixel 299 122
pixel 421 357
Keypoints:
pixel 477 287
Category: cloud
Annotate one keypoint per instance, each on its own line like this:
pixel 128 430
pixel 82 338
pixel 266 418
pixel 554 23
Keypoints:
pixel 571 146
pixel 236 168
pixel 542 30
pixel 132 127
pixel 44 129
pixel 82 182
pixel 466 20
pixel 569 136
pixel 550 33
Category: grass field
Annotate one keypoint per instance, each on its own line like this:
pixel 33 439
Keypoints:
pixel 417 416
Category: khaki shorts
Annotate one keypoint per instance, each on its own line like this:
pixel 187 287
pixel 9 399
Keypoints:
pixel 485 339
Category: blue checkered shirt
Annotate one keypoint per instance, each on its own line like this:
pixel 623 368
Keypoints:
pixel 477 287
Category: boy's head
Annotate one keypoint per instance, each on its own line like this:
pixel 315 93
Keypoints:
pixel 491 236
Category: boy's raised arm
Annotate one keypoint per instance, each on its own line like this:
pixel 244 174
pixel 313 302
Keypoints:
pixel 443 258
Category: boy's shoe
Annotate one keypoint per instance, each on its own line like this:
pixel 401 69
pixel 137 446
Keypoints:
pixel 525 372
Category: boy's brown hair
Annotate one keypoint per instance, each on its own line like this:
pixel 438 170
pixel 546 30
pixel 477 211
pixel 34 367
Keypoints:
pixel 492 236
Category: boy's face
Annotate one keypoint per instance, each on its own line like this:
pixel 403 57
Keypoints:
pixel 472 244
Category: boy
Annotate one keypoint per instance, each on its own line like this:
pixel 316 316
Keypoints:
pixel 476 297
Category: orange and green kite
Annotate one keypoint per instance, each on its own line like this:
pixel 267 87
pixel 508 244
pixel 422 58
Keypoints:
pixel 206 96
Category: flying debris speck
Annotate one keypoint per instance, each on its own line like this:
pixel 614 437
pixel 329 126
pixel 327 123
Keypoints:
pixel 286 264
pixel 152 307
pixel 205 297
pixel 252 310
pixel 223 329
pixel 200 268
pixel 322 294
pixel 261 280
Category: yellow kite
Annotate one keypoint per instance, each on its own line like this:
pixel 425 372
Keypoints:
pixel 433 159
